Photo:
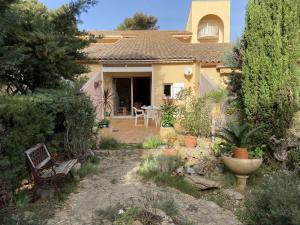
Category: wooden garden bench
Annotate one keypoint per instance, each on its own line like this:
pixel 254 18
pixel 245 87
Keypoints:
pixel 45 170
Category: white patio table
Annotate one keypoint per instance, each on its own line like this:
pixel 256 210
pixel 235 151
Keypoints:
pixel 152 112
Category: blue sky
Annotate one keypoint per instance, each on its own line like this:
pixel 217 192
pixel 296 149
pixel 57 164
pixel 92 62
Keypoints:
pixel 107 14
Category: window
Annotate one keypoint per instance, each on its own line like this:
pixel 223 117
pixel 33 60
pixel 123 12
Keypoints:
pixel 208 29
pixel 167 90
pixel 172 90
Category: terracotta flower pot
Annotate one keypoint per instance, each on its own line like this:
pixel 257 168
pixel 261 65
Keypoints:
pixel 240 153
pixel 190 141
pixel 169 152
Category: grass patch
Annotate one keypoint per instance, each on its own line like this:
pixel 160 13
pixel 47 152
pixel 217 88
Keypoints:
pixel 160 168
pixel 216 196
pixel 86 169
pixel 113 144
pixel 109 143
pixel 168 205
pixel 128 217
pixel 114 181
pixel 152 142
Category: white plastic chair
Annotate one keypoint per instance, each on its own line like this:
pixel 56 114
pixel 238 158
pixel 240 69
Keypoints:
pixel 138 114
pixel 153 114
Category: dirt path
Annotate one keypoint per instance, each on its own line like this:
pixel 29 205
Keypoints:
pixel 116 182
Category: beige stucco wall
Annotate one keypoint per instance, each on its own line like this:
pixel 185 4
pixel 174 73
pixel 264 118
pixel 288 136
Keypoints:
pixel 213 75
pixel 93 88
pixel 202 8
pixel 172 73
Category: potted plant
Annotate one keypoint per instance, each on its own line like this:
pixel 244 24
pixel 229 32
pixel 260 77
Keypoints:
pixel 196 121
pixel 170 149
pixel 238 135
pixel 104 123
pixel 168 111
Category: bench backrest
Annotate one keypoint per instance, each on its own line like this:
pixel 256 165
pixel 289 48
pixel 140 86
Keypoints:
pixel 38 156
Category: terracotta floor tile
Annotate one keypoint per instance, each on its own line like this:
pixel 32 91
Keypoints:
pixel 124 130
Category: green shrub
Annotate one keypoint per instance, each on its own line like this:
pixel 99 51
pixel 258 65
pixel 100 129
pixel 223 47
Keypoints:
pixel 168 111
pixel 86 169
pixel 270 76
pixel 49 116
pixel 275 202
pixel 109 143
pixel 294 159
pixel 196 117
pixel 152 142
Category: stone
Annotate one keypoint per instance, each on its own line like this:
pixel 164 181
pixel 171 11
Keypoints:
pixel 233 195
pixel 199 169
pixel 180 170
pixel 90 153
pixel 189 170
pixel 201 182
pixel 137 223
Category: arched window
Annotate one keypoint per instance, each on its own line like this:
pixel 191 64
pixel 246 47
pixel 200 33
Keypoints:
pixel 208 29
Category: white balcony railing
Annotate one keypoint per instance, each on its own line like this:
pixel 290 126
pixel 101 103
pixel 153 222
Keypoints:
pixel 208 30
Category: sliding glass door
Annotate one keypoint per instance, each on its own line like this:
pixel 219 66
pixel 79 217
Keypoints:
pixel 130 92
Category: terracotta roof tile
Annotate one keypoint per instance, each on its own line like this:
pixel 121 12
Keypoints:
pixel 209 52
pixel 135 32
pixel 154 46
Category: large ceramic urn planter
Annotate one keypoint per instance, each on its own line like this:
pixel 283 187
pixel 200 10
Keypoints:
pixel 166 132
pixel 242 168
pixel 190 141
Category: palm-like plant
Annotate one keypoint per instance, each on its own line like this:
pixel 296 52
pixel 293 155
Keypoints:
pixel 107 100
pixel 237 134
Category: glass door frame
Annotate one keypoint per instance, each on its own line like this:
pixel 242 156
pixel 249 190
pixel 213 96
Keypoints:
pixel 131 96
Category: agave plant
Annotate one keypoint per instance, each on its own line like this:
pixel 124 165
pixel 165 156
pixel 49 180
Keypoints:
pixel 237 134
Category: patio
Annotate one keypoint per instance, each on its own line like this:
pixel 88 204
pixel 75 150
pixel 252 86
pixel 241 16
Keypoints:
pixel 125 131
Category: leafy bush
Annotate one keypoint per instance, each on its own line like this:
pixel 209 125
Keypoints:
pixel 109 143
pixel 168 110
pixel 275 202
pixel 49 117
pixel 152 142
pixel 195 117
pixel 294 159
pixel 257 152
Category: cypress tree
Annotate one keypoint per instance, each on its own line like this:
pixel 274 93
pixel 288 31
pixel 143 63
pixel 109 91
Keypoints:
pixel 269 83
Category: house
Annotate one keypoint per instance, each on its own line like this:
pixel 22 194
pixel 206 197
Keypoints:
pixel 145 67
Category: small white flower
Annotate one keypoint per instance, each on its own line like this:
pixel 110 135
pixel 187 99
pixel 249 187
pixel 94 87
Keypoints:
pixel 121 211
